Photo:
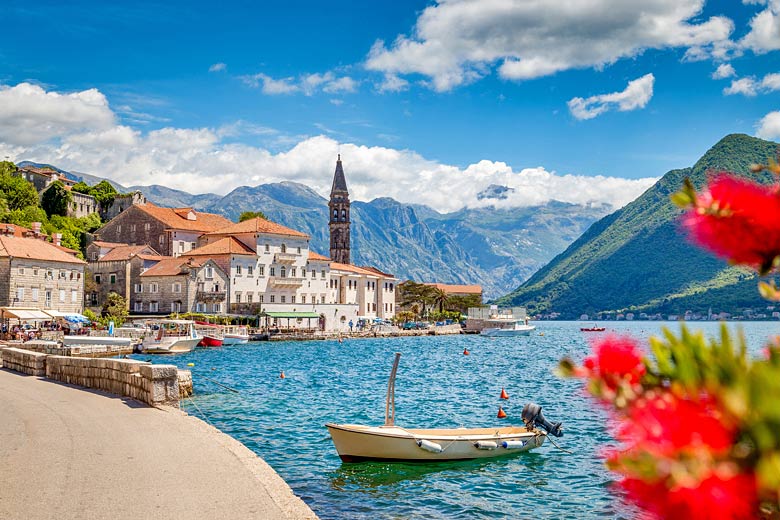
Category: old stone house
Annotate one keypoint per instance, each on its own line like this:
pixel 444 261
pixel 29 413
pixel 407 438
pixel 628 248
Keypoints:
pixel 181 284
pixel 115 268
pixel 36 273
pixel 171 231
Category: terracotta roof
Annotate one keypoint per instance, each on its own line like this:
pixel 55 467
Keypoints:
pixel 317 256
pixel 125 252
pixel 36 249
pixel 223 246
pixel 176 218
pixel 258 225
pixel 377 271
pixel 100 243
pixel 173 266
pixel 457 289
pixel 19 231
pixel 66 249
pixel 350 268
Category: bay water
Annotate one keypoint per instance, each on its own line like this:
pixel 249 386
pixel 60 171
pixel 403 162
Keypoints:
pixel 282 419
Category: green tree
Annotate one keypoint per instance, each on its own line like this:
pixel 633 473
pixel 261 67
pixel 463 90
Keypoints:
pixel 17 192
pixel 439 298
pixel 56 199
pixel 247 215
pixel 25 216
pixel 7 168
pixel 82 187
pixel 115 309
pixel 104 194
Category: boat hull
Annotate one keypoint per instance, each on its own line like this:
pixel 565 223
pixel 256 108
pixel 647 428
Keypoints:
pixel 178 346
pixel 72 341
pixel 209 341
pixel 495 332
pixel 231 339
pixel 355 443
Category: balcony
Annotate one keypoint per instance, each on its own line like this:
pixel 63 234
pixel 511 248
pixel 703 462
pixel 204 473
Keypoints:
pixel 210 296
pixel 285 258
pixel 278 281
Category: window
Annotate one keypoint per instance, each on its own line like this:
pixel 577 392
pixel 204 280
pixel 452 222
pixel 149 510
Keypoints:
pixel 35 271
pixel 62 295
pixel 147 226
pixel 238 297
pixel 322 298
pixel 299 250
pixel 21 270
pixel 153 287
pixel 74 296
pixel 292 299
pixel 177 287
pixel 292 272
pixel 138 307
pixel 284 299
pixel 322 274
pixel 94 256
pixel 267 248
pixel 284 248
pixel 162 239
pixel 50 274
pixel 303 298
pixel 35 294
pixel 283 272
pixel 181 247
pixel 153 306
pixel 303 273
pixel 261 270
pixel 20 293
pixel 209 273
pixel 200 307
pixel 250 270
pixel 313 273
pixel 335 214
pixel 112 278
pixel 238 270
pixel 216 307
pixel 97 279
pixel 343 214
pixel 93 297
pixel 119 228
pixel 273 271
pixel 176 307
pixel 139 288
pixel 132 227
pixel 48 298
pixel 261 298
pixel 273 298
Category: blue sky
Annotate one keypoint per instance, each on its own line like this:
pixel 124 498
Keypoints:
pixel 416 95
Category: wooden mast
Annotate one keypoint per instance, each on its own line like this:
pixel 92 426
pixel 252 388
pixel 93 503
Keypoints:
pixel 390 399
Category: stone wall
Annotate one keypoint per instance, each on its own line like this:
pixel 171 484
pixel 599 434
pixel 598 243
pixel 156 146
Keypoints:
pixel 156 385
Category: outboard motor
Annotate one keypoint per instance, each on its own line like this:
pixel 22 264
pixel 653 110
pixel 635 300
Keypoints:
pixel 532 416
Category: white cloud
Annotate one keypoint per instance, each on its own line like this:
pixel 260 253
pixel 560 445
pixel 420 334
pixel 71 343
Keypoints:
pixel 769 126
pixel 750 86
pixel 29 114
pixel 392 83
pixel 458 41
pixel 218 67
pixel 203 160
pixel 724 70
pixel 308 84
pixel 636 95
pixel 764 35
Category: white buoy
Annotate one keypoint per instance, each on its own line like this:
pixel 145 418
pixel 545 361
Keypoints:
pixel 485 445
pixel 429 446
pixel 513 445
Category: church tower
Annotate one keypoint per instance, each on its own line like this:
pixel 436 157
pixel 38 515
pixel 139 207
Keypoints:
pixel 339 216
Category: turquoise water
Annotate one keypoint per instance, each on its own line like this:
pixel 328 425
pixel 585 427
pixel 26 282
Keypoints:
pixel 437 386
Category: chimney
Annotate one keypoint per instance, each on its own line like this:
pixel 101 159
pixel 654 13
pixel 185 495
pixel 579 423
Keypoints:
pixel 36 228
pixel 56 238
pixel 10 230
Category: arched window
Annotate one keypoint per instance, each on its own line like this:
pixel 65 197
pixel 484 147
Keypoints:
pixel 335 214
pixel 283 272
pixel 284 248
pixel 343 214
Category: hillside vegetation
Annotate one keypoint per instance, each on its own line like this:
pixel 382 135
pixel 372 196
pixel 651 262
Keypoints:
pixel 637 259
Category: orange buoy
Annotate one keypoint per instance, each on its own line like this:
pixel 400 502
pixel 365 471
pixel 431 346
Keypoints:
pixel 282 376
pixel 466 352
pixel 501 413
pixel 504 395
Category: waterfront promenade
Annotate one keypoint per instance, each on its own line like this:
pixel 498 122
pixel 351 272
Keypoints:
pixel 68 452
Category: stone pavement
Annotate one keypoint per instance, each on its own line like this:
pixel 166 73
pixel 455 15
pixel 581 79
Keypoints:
pixel 72 453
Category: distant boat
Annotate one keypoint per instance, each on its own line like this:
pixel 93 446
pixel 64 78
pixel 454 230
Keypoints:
pixel 235 334
pixel 594 328
pixel 355 443
pixel 212 334
pixel 501 327
pixel 170 337
pixel 80 341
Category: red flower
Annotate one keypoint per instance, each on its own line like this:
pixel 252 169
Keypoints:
pixel 616 359
pixel 664 424
pixel 737 219
pixel 716 496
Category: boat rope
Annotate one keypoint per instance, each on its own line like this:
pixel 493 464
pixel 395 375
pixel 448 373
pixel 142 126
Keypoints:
pixel 203 415
pixel 556 445
pixel 220 384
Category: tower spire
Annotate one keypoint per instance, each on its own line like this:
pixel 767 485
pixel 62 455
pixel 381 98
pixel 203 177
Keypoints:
pixel 339 221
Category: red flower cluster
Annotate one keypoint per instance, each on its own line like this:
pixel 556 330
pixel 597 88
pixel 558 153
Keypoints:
pixel 737 219
pixel 616 359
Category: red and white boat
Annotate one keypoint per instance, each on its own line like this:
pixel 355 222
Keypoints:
pixel 212 334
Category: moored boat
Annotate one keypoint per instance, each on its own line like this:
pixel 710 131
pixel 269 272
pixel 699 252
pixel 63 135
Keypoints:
pixel 212 334
pixel 500 327
pixel 235 334
pixel 170 337
pixel 355 443
pixel 594 328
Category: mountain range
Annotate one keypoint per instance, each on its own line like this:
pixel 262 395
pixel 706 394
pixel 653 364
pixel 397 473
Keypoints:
pixel 637 259
pixel 495 248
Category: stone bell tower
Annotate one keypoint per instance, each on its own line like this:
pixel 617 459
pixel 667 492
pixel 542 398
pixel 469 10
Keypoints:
pixel 339 216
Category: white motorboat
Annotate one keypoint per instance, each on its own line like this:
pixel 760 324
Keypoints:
pixel 77 341
pixel 501 327
pixel 170 336
pixel 235 334
pixel 355 443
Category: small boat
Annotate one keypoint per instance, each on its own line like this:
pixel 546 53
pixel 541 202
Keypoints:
pixel 235 334
pixel 169 337
pixel 501 327
pixel 212 334
pixel 594 328
pixel 356 443
pixel 111 341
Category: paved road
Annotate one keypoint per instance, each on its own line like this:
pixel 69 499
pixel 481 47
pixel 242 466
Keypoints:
pixel 70 453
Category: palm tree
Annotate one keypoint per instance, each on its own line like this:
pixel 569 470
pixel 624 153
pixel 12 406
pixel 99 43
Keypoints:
pixel 440 298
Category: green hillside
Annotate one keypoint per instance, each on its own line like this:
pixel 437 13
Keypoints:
pixel 637 259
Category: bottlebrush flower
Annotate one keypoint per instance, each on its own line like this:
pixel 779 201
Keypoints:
pixel 737 219
pixel 615 359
